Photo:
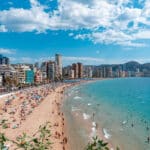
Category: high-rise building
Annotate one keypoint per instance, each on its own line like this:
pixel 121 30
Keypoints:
pixel 29 76
pixel 51 70
pixel 103 72
pixel 90 72
pixel 1 80
pixel 87 71
pixel 75 68
pixel 44 71
pixel 58 67
pixel 109 73
pixel 4 60
pixel 80 70
pixel 71 74
pixel 66 71
pixel 21 73
pixel 38 76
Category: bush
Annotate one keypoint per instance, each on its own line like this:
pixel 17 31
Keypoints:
pixel 98 144
pixel 39 141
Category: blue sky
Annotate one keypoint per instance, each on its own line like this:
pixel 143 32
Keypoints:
pixel 89 31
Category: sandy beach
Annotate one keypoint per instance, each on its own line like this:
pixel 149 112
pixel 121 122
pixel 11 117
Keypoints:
pixel 25 111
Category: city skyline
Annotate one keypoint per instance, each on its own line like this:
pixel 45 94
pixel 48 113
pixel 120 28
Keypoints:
pixel 14 76
pixel 103 32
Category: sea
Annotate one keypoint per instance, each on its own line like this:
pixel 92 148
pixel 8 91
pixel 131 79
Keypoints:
pixel 116 110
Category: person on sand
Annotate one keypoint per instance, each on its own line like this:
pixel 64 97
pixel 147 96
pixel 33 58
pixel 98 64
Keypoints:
pixel 65 140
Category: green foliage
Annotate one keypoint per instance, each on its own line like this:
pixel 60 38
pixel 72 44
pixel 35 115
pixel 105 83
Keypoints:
pixel 23 141
pixel 97 145
pixel 3 140
pixel 39 141
pixel 4 123
pixel 118 148
pixel 42 143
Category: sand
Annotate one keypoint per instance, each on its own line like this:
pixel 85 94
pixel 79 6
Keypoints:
pixel 48 110
pixel 27 109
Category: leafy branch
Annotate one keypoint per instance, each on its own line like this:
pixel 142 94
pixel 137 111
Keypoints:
pixel 39 141
pixel 98 144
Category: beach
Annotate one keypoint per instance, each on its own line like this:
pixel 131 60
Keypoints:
pixel 77 112
pixel 26 110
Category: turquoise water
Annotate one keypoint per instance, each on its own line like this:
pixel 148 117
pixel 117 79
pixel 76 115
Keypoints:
pixel 120 108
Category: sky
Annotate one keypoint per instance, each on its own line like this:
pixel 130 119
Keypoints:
pixel 89 31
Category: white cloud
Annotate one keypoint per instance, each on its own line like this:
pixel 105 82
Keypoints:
pixel 112 15
pixel 27 60
pixel 82 59
pixel 133 44
pixel 3 29
pixel 71 34
pixel 85 60
pixel 10 3
pixel 7 51
pixel 145 34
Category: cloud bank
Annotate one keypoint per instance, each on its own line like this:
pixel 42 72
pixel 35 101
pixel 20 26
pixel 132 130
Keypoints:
pixel 118 22
pixel 7 51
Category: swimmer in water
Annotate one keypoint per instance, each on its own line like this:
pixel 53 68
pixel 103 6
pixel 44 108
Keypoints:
pixel 147 128
pixel 93 116
pixel 148 140
pixel 132 125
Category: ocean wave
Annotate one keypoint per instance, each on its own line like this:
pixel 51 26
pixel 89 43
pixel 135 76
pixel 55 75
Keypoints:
pixel 94 130
pixel 93 133
pixel 77 97
pixel 106 134
pixel 94 124
pixel 124 122
pixel 86 116
pixel 89 104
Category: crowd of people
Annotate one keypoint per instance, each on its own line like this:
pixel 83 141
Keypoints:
pixel 17 106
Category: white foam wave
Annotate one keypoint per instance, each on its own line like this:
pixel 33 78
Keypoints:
pixel 89 104
pixel 86 116
pixel 93 133
pixel 106 134
pixel 77 97
pixel 94 124
pixel 124 122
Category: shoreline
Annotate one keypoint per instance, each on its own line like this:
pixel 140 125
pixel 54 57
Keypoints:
pixel 89 124
pixel 49 109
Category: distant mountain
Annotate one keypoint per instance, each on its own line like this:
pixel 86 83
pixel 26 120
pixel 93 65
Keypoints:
pixel 132 66
pixel 129 66
pixel 146 66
